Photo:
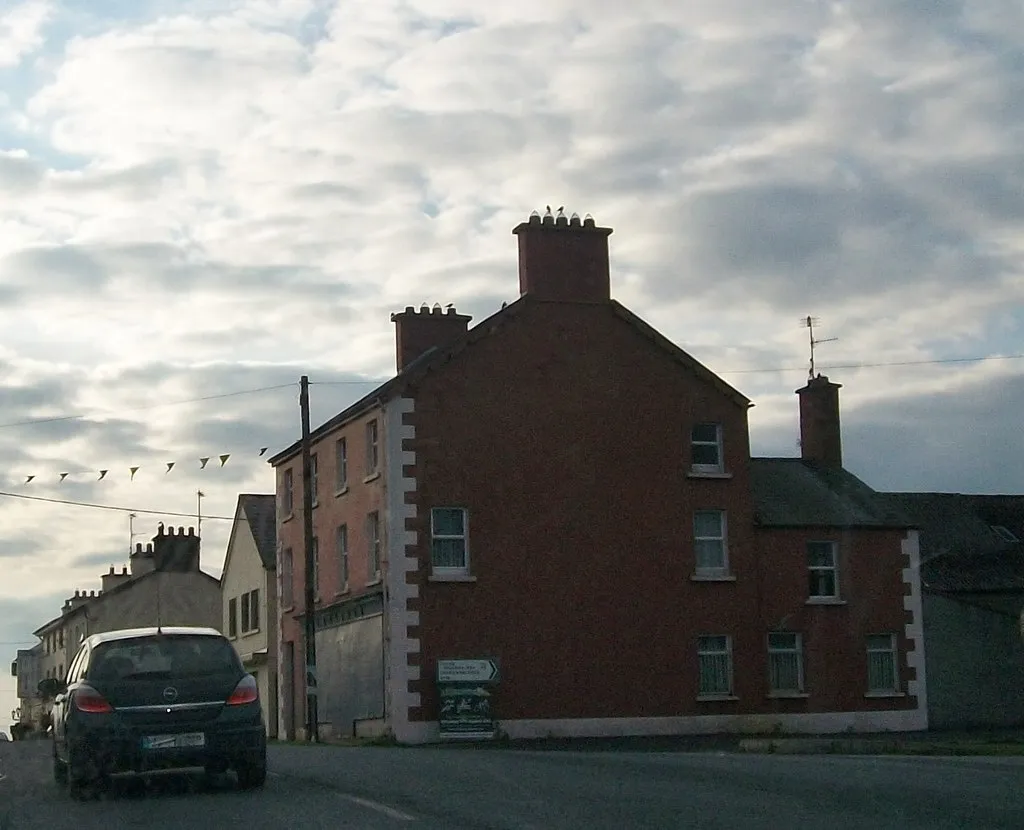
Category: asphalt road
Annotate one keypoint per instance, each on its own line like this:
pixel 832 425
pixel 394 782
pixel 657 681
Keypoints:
pixel 391 789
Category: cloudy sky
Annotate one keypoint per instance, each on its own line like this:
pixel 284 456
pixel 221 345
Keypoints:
pixel 201 198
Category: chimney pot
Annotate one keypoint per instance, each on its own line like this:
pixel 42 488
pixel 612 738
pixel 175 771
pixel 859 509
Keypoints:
pixel 111 570
pixel 820 427
pixel 563 259
pixel 124 571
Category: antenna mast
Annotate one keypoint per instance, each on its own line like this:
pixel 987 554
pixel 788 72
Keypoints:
pixel 809 323
pixel 131 531
pixel 199 513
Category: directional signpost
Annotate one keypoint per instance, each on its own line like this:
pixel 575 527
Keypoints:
pixel 466 687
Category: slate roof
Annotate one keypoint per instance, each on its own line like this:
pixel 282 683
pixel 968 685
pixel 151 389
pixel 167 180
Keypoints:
pixel 436 357
pixel 792 492
pixel 960 550
pixel 261 513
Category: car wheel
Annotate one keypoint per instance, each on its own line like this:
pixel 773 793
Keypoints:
pixel 75 776
pixel 251 776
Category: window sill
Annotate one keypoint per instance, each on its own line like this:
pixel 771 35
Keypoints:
pixel 288 518
pixel 699 577
pixel 787 695
pixel 344 592
pixel 375 581
pixel 439 577
pixel 250 632
pixel 316 504
pixel 341 491
pixel 715 698
pixel 825 601
pixel 884 695
pixel 371 477
pixel 713 474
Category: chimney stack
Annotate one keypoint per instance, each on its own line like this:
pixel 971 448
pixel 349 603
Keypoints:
pixel 820 434
pixel 417 332
pixel 563 259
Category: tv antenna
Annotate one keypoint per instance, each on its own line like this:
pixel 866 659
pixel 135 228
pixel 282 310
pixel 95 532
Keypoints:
pixel 809 323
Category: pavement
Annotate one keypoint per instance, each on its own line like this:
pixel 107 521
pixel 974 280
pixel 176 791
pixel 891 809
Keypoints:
pixel 525 789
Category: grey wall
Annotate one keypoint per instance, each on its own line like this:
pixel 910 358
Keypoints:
pixel 350 668
pixel 975 661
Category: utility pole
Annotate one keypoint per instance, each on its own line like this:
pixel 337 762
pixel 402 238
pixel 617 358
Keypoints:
pixel 312 730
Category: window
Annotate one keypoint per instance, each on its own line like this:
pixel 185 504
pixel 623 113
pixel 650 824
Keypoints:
pixel 882 674
pixel 823 569
pixel 287 493
pixel 372 447
pixel 340 464
pixel 287 586
pixel 314 477
pixel 316 566
pixel 785 663
pixel 709 542
pixel 233 617
pixel 341 542
pixel 706 448
pixel 373 543
pixel 714 657
pixel 449 548
pixel 251 611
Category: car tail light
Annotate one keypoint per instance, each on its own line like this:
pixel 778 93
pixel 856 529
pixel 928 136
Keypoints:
pixel 89 700
pixel 245 692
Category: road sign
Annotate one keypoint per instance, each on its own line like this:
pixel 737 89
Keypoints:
pixel 467 671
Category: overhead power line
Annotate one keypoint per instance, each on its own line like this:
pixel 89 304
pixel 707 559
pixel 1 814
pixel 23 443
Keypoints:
pixel 878 365
pixel 116 508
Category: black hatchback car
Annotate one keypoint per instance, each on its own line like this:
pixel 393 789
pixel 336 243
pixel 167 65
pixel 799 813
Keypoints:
pixel 149 700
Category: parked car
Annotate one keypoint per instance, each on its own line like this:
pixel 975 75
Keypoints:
pixel 147 700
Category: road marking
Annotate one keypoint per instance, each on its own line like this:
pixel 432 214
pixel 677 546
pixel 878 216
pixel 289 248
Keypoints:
pixel 391 812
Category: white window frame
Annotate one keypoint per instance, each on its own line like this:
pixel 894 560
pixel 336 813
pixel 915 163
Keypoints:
pixel 287 578
pixel 462 569
pixel 705 651
pixel 341 551
pixel 372 447
pixel 723 537
pixel 341 465
pixel 798 650
pixel 823 569
pixel 373 546
pixel 717 444
pixel 892 651
pixel 288 493
pixel 314 477
pixel 254 611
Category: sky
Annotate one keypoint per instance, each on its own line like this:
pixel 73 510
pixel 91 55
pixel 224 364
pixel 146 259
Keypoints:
pixel 202 200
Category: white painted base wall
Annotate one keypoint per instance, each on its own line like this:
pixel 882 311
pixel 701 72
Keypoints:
pixel 815 723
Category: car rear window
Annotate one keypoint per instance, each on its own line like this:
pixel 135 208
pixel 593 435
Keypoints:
pixel 178 655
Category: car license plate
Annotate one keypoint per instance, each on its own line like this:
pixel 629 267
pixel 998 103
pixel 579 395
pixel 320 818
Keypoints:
pixel 182 741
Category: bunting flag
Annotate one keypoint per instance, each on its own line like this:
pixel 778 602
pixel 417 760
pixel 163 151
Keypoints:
pixel 132 470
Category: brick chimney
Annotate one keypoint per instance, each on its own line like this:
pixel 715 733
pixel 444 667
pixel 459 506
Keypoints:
pixel 563 259
pixel 418 331
pixel 176 551
pixel 112 579
pixel 820 434
pixel 142 561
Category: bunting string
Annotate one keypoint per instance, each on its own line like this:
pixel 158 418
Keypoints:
pixel 132 470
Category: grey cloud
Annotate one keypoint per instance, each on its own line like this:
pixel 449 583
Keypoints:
pixel 101 560
pixel 17 547
pixel 55 268
pixel 899 444
pixel 139 182
pixel 19 174
pixel 20 616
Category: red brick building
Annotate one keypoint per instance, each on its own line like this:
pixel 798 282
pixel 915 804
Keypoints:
pixel 563 491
